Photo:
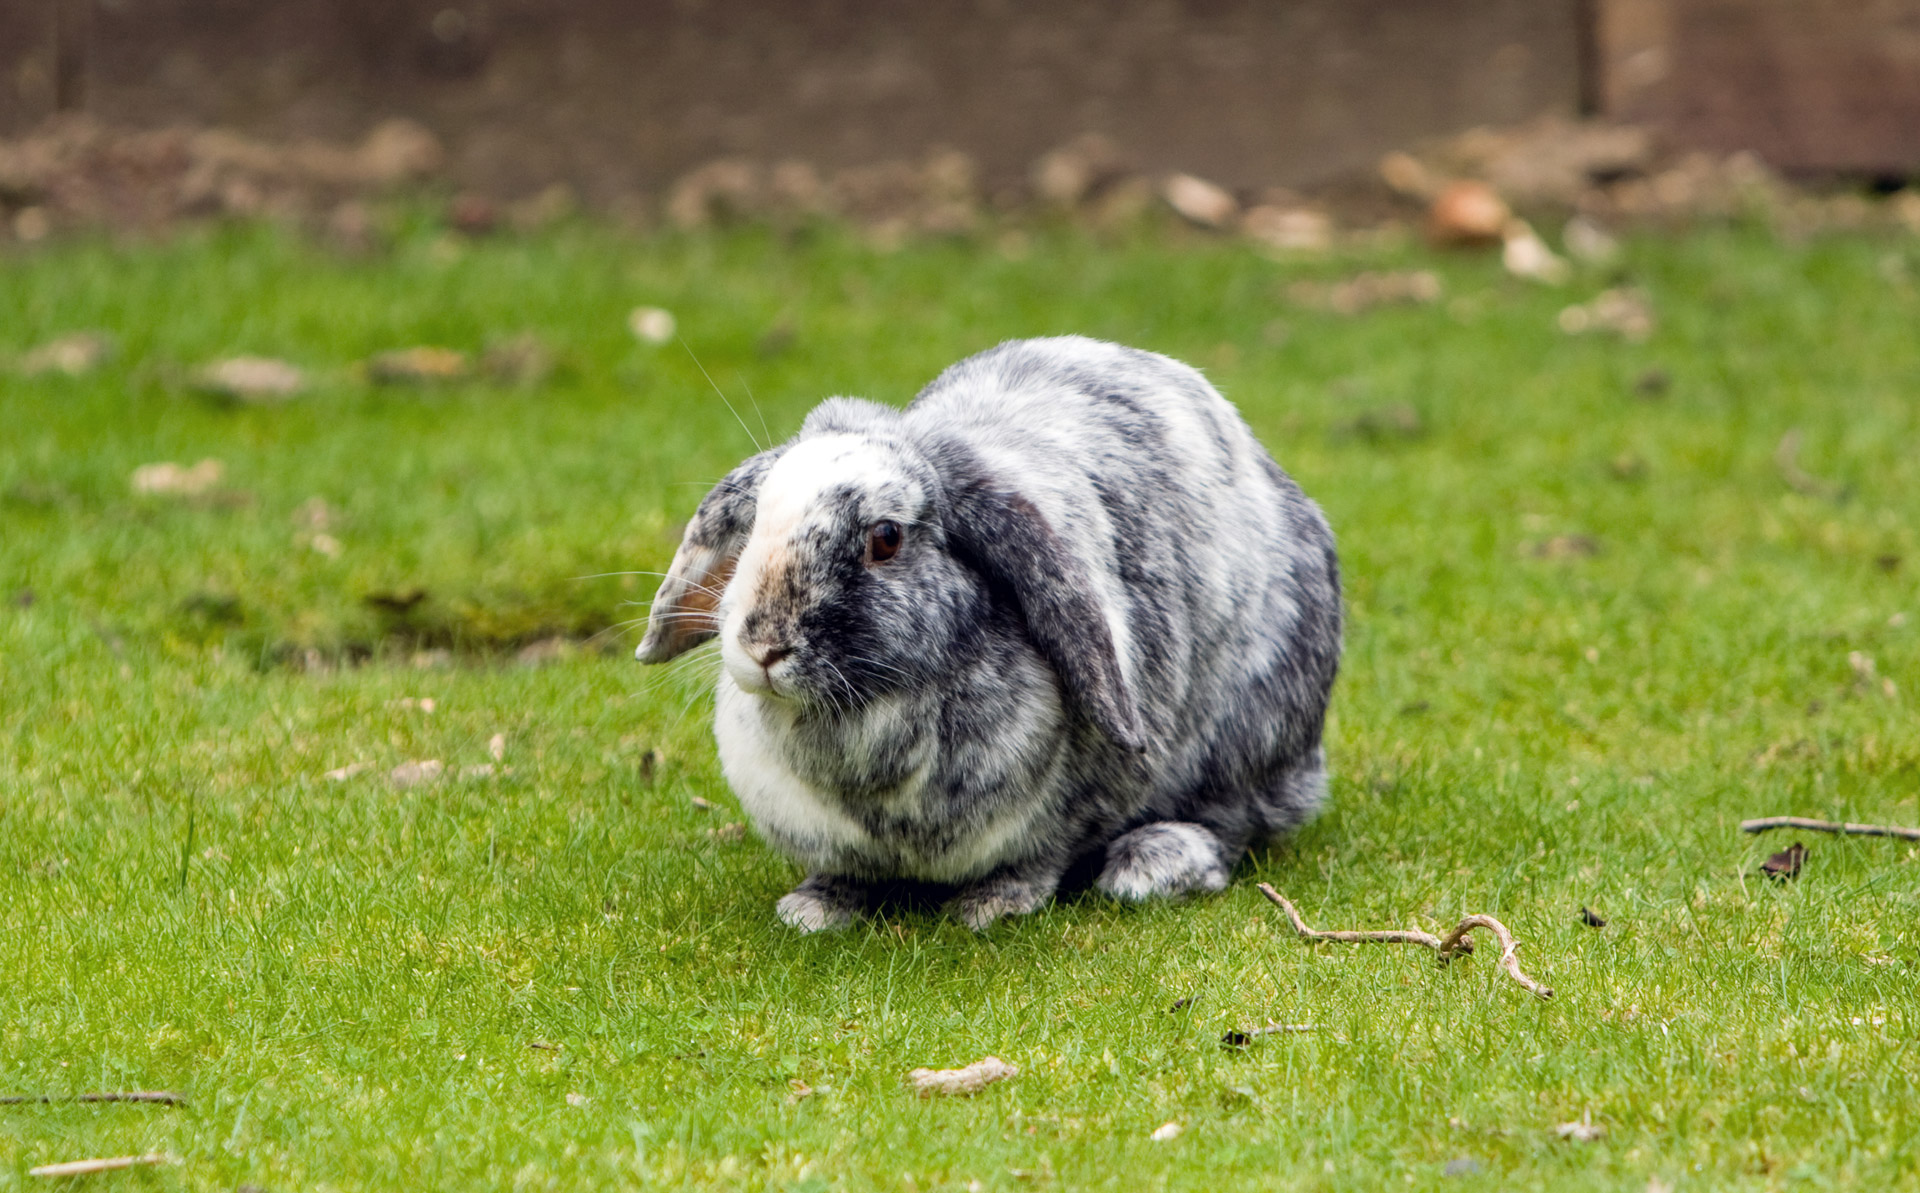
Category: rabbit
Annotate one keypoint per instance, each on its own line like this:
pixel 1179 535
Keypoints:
pixel 1062 612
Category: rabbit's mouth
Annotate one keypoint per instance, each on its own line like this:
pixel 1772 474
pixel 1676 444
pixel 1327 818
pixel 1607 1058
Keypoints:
pixel 759 669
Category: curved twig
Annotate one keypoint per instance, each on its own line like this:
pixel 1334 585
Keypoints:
pixel 1508 961
pixel 1456 942
pixel 1829 826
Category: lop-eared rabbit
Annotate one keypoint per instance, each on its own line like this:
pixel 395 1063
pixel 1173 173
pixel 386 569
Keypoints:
pixel 1063 613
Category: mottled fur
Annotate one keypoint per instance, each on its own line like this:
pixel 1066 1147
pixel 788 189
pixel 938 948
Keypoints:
pixel 1109 634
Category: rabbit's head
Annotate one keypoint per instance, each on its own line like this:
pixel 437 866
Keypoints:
pixel 852 562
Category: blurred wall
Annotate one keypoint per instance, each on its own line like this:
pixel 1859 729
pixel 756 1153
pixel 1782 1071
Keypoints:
pixel 1810 85
pixel 618 96
pixel 623 95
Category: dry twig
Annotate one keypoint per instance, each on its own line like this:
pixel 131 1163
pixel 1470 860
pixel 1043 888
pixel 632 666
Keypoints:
pixel 1829 826
pixel 157 1097
pixel 1787 458
pixel 1240 1039
pixel 105 1164
pixel 1456 941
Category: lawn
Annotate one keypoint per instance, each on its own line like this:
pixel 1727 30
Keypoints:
pixel 1593 624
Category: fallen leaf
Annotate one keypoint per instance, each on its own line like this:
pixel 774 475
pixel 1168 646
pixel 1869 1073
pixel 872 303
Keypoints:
pixel 423 365
pixel 412 774
pixel 497 746
pixel 1467 213
pixel 251 379
pixel 1591 918
pixel 776 339
pixel 1181 1004
pixel 577 1100
pixel 1567 546
pixel 1622 311
pixel 546 650
pixel 1588 241
pixel 1200 201
pixel 519 360
pixel 1524 255
pixel 399 603
pixel 967 1081
pixel 1368 289
pixel 1396 420
pixel 729 832
pixel 1297 229
pixel 701 805
pixel 32 224
pixel 73 355
pixel 167 479
pixel 1627 467
pixel 1785 864
pixel 475 215
pixel 1409 176
pixel 652 325
pixel 342 773
pixel 1166 1131
pixel 1584 1131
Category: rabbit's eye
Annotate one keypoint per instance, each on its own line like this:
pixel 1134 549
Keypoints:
pixel 883 540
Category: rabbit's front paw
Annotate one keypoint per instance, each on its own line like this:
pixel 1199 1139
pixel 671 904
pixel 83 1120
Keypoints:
pixel 1000 895
pixel 821 903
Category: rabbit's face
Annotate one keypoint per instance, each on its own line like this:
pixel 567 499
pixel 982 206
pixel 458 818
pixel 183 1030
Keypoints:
pixel 843 589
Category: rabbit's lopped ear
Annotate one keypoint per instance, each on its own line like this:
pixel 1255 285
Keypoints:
pixel 683 614
pixel 1007 539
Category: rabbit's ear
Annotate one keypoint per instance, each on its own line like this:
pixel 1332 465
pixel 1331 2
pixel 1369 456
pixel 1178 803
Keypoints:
pixel 1007 539
pixel 683 614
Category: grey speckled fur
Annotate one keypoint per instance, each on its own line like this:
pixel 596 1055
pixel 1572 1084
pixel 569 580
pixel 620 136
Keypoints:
pixel 1108 636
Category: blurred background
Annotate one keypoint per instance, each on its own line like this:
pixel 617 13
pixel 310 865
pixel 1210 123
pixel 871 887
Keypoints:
pixel 686 110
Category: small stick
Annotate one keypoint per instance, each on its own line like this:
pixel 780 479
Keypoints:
pixel 1411 936
pixel 106 1164
pixel 1456 941
pixel 1828 826
pixel 1787 458
pixel 157 1097
pixel 1508 961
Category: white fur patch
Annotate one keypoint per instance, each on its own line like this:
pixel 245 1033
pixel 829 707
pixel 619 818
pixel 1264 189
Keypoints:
pixel 1170 857
pixel 792 816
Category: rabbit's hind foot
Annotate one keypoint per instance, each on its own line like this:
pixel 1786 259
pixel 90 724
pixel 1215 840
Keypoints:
pixel 1168 857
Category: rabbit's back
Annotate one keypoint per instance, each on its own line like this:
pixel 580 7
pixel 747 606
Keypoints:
pixel 1219 571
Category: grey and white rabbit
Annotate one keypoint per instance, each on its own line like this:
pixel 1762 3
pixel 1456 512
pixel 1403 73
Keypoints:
pixel 1062 611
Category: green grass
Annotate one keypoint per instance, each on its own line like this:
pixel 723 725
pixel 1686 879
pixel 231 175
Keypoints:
pixel 346 977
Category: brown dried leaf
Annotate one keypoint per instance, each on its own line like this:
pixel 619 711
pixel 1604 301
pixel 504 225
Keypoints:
pixel 1785 864
pixel 963 1082
pixel 251 379
pixel 423 365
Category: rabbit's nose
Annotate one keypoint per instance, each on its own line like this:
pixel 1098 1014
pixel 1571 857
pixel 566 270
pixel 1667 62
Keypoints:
pixel 767 656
